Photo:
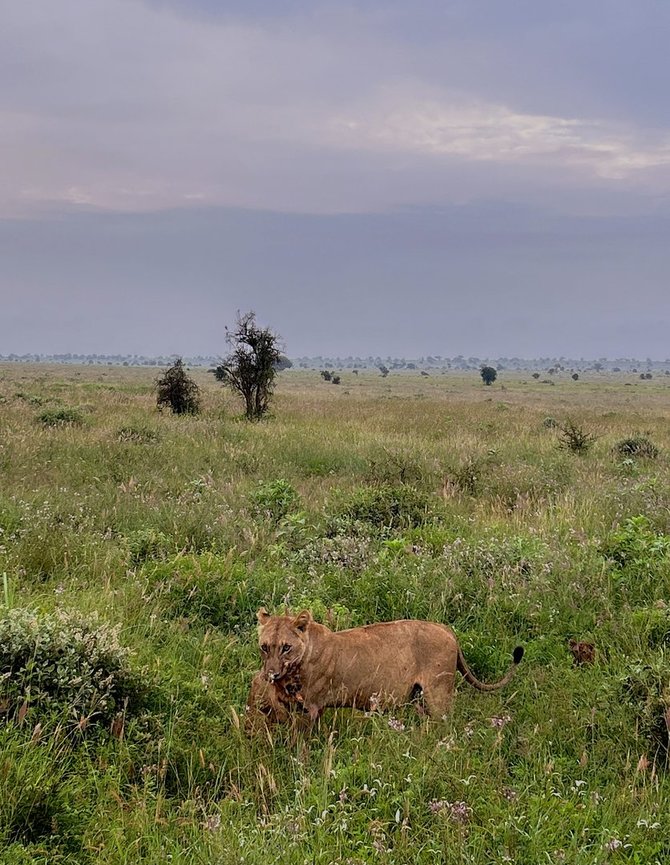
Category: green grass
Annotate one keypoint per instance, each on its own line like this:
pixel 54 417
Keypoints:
pixel 428 497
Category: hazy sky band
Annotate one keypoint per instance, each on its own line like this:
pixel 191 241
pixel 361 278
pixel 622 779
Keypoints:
pixel 418 177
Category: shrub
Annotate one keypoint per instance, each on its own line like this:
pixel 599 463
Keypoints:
pixel 396 467
pixel 10 519
pixel 489 374
pixel 274 500
pixel 466 477
pixel 54 417
pixel 384 506
pixel 144 544
pixel 211 589
pixel 651 625
pixel 636 446
pixel 636 545
pixel 504 560
pixel 31 399
pixel 575 438
pixel 326 374
pixel 175 389
pixel 67 662
pixel 575 376
pixel 550 423
pixel 645 689
pixel 342 552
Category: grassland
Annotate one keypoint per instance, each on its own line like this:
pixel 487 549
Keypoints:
pixel 427 497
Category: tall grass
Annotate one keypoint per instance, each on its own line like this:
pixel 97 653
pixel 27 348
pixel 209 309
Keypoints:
pixel 401 497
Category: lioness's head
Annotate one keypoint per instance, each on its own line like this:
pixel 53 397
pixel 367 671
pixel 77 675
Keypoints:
pixel 282 641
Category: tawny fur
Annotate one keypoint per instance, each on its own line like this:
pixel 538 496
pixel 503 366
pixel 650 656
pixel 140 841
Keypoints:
pixel 583 653
pixel 309 667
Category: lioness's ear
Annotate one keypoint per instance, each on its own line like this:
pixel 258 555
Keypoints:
pixel 262 615
pixel 302 620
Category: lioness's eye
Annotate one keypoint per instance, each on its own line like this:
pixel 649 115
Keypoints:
pixel 285 648
pixel 264 648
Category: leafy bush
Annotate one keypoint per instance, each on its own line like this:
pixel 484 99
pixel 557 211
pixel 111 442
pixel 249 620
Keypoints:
pixel 645 689
pixel 274 500
pixel 31 399
pixel 384 506
pixel 636 446
pixel 635 544
pixel 146 544
pixel 396 467
pixel 506 560
pixel 651 625
pixel 54 417
pixel 550 423
pixel 350 554
pixel 209 589
pixel 65 661
pixel 466 476
pixel 177 390
pixel 10 519
pixel 517 485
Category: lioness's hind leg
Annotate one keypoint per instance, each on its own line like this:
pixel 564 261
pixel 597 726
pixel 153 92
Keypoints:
pixel 438 695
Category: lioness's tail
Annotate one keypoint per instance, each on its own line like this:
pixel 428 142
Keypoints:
pixel 470 677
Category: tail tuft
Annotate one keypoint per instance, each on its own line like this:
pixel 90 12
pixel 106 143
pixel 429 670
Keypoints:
pixel 517 654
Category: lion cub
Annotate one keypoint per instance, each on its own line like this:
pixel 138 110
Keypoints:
pixel 308 666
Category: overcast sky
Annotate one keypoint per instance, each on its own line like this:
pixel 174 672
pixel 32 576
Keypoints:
pixel 402 177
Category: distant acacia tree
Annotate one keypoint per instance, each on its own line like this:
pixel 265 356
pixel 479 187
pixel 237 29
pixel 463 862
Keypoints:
pixel 575 376
pixel 488 374
pixel 383 370
pixel 326 374
pixel 251 366
pixel 175 389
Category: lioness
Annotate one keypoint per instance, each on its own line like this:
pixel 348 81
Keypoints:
pixel 307 665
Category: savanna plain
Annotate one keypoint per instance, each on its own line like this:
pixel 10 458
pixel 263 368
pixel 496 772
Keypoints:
pixel 137 546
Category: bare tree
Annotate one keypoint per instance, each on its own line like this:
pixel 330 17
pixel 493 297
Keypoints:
pixel 251 366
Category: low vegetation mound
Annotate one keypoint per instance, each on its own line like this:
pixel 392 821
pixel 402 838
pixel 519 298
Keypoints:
pixel 142 435
pixel 67 662
pixel 54 417
pixel 146 544
pixel 388 506
pixel 274 500
pixel 636 446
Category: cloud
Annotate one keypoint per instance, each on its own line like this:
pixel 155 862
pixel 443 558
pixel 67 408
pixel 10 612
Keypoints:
pixel 129 106
pixel 472 130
